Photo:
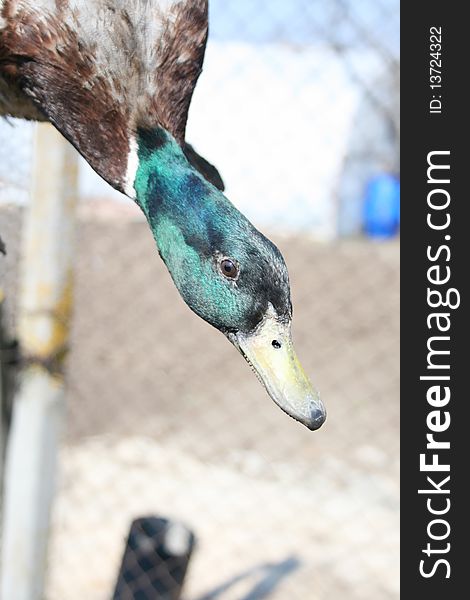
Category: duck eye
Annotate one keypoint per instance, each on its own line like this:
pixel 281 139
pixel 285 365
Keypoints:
pixel 228 268
pixel 276 344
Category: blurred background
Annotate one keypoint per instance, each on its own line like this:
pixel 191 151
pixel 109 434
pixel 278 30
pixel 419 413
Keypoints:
pixel 298 107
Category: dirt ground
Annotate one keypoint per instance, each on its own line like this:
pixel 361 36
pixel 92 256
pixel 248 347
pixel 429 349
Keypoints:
pixel 294 535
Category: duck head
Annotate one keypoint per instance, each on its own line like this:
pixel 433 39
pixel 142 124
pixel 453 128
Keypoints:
pixel 226 271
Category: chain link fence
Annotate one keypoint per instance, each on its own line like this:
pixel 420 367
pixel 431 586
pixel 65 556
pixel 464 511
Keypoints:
pixel 297 107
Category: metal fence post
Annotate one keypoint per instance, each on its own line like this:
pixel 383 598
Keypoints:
pixel 3 402
pixel 43 322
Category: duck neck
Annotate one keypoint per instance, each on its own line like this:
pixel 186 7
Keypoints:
pixel 185 212
pixel 166 185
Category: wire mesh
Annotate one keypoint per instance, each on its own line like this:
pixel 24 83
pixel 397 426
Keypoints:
pixel 297 107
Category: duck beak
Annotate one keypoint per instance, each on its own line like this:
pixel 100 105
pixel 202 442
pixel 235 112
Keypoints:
pixel 270 353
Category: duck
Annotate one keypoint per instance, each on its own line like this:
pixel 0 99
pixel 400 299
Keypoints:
pixel 116 78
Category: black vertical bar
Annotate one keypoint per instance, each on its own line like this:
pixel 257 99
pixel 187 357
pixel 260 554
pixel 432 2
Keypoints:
pixel 423 132
pixel 155 560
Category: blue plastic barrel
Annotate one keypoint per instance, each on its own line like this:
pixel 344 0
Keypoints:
pixel 382 206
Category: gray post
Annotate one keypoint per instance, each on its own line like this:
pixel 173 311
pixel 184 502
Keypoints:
pixel 43 323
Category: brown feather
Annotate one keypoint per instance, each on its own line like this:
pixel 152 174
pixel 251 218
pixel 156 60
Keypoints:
pixel 100 70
